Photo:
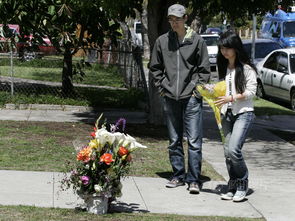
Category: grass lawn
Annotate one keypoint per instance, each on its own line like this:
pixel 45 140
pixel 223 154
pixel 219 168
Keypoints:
pixel 93 97
pixel 47 146
pixel 265 107
pixel 51 70
pixel 27 213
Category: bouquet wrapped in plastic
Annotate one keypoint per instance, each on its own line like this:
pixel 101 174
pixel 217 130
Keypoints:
pixel 210 93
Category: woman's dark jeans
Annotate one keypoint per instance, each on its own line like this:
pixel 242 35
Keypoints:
pixel 235 130
pixel 185 115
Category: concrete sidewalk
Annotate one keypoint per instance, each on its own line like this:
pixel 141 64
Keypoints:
pixel 66 113
pixel 140 194
pixel 270 161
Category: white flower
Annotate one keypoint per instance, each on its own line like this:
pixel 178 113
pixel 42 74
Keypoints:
pixel 132 143
pixel 119 136
pixel 97 188
pixel 105 137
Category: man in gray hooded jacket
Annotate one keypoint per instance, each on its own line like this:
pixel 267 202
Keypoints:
pixel 178 64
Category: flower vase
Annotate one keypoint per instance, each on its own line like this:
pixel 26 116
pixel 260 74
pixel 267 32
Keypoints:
pixel 96 204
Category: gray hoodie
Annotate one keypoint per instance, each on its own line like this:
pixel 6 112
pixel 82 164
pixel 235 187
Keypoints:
pixel 178 67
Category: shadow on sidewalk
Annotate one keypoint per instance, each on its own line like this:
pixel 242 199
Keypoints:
pixel 122 207
pixel 222 188
pixel 167 175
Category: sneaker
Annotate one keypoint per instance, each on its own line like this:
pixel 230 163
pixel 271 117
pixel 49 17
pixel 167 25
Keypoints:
pixel 227 196
pixel 240 195
pixel 193 188
pixel 174 183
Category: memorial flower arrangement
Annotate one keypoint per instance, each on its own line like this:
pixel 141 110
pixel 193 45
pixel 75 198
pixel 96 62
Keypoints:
pixel 102 163
pixel 210 93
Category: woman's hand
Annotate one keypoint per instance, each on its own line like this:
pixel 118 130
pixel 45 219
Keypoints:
pixel 223 100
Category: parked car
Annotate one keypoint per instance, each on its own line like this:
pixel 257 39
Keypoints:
pixel 213 31
pixel 211 41
pixel 276 75
pixel 262 48
pixel 138 33
pixel 27 48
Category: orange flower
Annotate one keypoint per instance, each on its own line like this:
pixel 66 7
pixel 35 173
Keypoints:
pixel 84 154
pixel 122 151
pixel 107 158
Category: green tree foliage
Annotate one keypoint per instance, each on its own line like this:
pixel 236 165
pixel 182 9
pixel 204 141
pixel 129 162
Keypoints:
pixel 237 11
pixel 59 20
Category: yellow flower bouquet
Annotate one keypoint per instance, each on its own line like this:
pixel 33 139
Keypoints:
pixel 210 93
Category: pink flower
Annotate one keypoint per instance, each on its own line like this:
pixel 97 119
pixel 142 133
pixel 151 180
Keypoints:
pixel 85 180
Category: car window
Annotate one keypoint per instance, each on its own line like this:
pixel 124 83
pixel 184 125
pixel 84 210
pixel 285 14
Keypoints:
pixel 213 30
pixel 265 26
pixel 292 63
pixel 273 27
pixel 211 41
pixel 272 61
pixel 283 63
pixel 289 29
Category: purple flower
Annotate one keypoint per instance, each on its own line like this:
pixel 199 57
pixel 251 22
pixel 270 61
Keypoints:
pixel 122 122
pixel 85 180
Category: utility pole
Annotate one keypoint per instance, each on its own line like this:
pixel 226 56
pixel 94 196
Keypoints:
pixel 253 36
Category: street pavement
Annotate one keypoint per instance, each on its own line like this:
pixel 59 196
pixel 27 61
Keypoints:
pixel 270 162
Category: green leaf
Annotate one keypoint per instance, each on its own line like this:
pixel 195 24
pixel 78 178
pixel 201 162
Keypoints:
pixel 51 9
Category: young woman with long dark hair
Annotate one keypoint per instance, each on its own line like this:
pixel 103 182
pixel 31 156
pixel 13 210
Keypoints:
pixel 237 110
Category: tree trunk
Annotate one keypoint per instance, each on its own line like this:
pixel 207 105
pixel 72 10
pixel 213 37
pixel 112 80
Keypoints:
pixel 67 73
pixel 157 25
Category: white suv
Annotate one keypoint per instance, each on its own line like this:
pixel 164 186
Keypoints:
pixel 276 75
pixel 211 41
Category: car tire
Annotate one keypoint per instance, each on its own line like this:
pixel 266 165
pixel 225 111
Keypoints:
pixel 260 90
pixel 28 55
pixel 292 99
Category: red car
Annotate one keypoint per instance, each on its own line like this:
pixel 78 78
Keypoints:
pixel 27 49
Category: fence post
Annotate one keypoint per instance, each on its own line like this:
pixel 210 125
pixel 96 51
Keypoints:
pixel 109 54
pixel 11 73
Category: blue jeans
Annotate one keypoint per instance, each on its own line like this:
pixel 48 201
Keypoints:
pixel 185 114
pixel 235 130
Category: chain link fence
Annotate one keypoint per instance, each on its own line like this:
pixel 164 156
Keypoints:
pixel 43 76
